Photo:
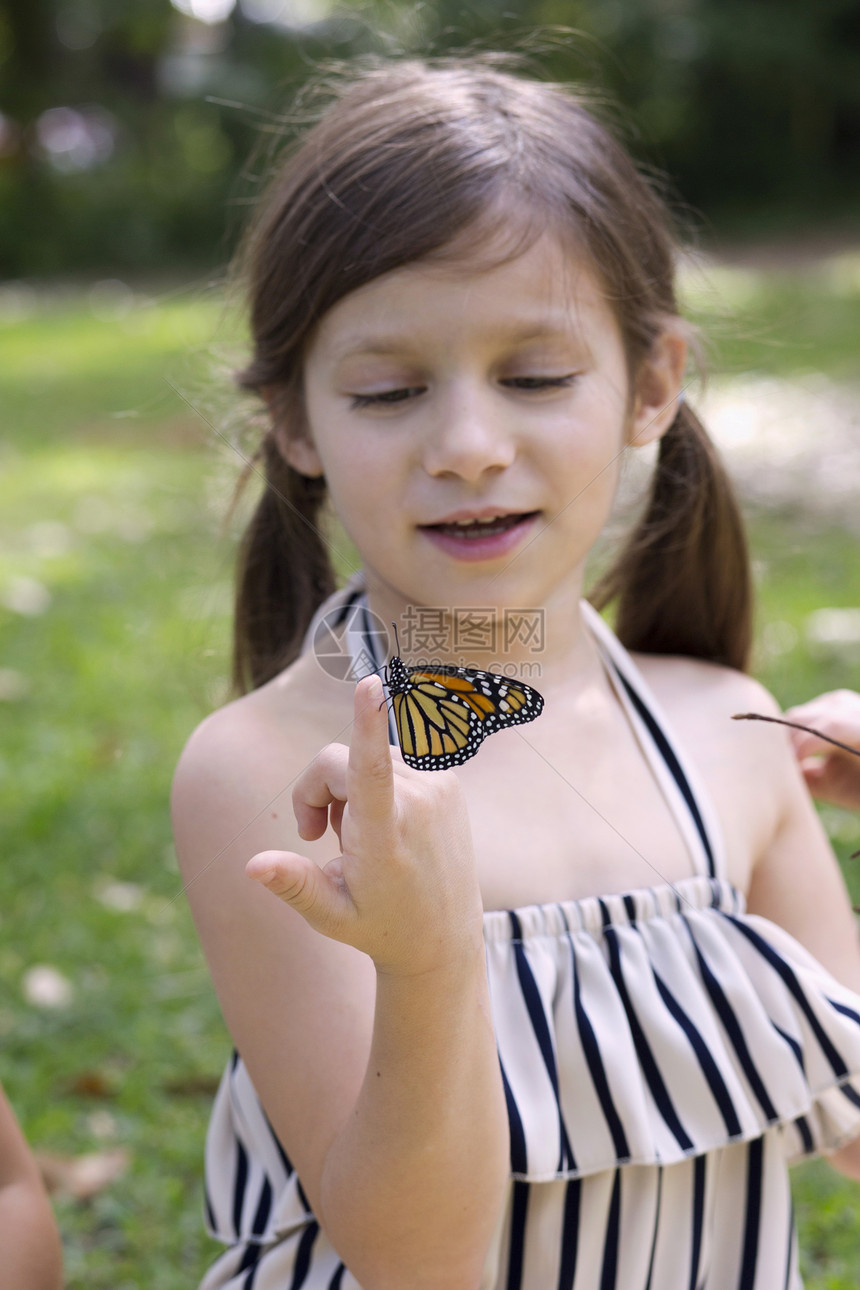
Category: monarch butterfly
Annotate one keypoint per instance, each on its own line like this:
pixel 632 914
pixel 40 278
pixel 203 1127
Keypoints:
pixel 443 714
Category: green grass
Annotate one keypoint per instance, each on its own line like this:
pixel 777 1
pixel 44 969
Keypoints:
pixel 783 323
pixel 111 496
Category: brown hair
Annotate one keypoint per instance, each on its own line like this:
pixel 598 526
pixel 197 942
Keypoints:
pixel 406 161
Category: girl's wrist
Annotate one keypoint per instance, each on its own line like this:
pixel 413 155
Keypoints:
pixel 457 954
pixel 446 998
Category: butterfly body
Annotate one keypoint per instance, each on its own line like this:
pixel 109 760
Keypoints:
pixel 443 714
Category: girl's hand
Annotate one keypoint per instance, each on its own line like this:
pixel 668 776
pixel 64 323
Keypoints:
pixel 405 889
pixel 831 774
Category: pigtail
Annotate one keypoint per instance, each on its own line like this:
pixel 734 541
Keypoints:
pixel 283 571
pixel 682 582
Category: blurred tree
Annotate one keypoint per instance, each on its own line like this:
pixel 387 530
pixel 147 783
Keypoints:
pixel 124 129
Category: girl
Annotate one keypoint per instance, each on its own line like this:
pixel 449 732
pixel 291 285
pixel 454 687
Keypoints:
pixel 558 1016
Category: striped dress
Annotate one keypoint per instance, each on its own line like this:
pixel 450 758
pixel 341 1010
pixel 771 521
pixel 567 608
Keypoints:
pixel 664 1056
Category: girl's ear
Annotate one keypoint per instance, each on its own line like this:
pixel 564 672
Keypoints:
pixel 300 454
pixel 294 443
pixel 657 386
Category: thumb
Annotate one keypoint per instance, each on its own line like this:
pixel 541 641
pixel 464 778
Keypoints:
pixel 319 895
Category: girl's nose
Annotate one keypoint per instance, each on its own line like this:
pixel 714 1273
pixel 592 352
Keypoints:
pixel 467 438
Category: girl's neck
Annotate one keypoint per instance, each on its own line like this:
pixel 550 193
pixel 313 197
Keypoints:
pixel 546 645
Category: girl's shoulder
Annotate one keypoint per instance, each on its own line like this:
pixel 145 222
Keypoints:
pixel 747 767
pixel 258 743
pixel 697 689
pixel 754 779
pixel 303 702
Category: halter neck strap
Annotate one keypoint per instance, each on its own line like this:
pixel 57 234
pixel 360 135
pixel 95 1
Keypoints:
pixel 686 795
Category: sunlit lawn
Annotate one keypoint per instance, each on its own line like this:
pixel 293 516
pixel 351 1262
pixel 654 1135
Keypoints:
pixel 115 631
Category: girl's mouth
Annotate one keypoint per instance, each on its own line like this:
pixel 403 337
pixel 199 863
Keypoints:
pixel 481 541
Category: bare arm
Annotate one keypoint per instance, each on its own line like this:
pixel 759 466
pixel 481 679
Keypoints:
pixel 30 1243
pixel 797 883
pixel 359 999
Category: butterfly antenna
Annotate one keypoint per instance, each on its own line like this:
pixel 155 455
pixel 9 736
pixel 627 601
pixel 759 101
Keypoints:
pixel 396 639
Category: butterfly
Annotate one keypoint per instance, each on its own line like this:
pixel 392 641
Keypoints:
pixel 443 714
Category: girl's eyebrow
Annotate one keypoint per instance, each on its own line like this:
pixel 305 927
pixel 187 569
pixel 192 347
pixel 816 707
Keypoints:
pixel 385 346
pixel 369 345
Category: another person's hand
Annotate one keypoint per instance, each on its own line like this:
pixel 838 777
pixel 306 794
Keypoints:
pixel 832 775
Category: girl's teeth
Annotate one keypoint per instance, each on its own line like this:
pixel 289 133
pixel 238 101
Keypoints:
pixel 482 528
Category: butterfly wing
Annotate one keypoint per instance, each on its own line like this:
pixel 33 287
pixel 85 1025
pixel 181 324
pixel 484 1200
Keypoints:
pixel 443 714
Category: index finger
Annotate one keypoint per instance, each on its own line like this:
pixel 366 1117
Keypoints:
pixel 370 770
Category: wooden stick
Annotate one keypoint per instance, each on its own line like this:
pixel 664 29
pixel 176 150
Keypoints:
pixel 780 721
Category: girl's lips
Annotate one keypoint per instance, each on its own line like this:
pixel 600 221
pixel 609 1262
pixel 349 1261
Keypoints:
pixel 482 548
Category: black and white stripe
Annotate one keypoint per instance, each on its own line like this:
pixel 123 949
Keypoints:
pixel 663 1054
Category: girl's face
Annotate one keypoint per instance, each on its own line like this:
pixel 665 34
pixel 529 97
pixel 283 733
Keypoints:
pixel 439 389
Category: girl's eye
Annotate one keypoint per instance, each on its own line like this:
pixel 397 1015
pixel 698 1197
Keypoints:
pixel 540 382
pixel 386 397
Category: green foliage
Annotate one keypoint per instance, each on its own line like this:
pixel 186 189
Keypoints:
pixel 752 109
pixel 783 322
pixel 826 1209
pixel 104 506
pixel 112 493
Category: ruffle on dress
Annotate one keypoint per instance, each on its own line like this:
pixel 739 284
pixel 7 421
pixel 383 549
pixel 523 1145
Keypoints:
pixel 262 1199
pixel 654 1025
